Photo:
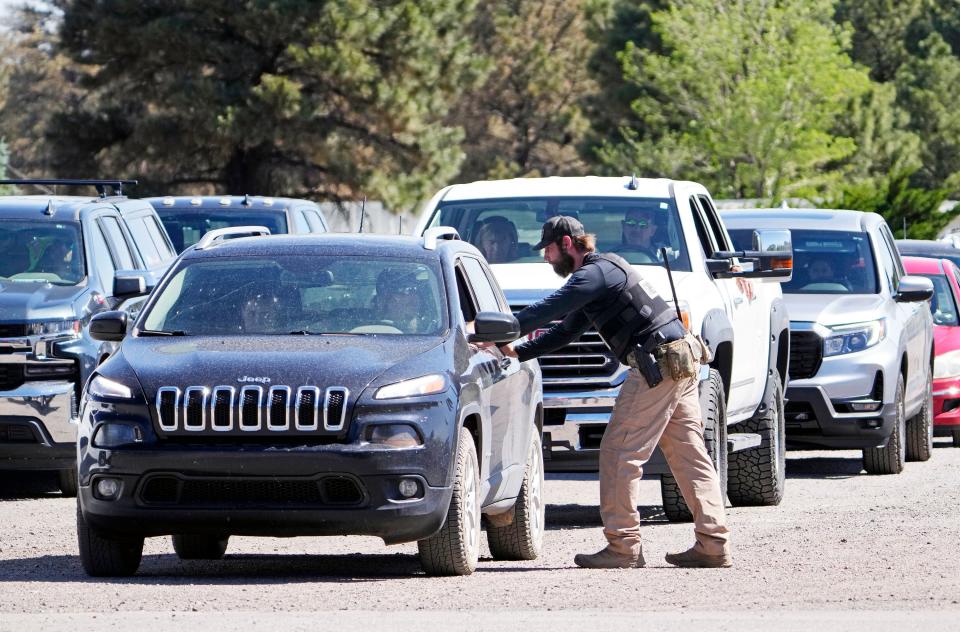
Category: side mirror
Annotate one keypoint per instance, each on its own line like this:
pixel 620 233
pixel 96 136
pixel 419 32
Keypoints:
pixel 495 327
pixel 771 257
pixel 127 284
pixel 108 326
pixel 913 289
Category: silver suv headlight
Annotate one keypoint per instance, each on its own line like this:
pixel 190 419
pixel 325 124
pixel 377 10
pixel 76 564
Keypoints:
pixel 854 337
pixel 947 364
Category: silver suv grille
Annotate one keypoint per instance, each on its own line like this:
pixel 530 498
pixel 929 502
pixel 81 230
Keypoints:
pixel 252 409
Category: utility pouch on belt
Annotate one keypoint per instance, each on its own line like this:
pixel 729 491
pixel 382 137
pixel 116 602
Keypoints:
pixel 646 364
pixel 677 358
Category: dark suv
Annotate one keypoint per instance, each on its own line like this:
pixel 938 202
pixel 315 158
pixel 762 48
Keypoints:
pixel 187 219
pixel 313 385
pixel 64 259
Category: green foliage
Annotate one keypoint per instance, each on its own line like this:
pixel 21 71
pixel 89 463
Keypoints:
pixel 881 32
pixel 897 201
pixel 328 99
pixel 747 105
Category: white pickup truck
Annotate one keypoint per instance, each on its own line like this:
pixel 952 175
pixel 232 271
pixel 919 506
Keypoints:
pixel 743 321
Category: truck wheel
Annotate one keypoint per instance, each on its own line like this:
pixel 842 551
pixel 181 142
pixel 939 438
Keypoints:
pixel 758 476
pixel 890 458
pixel 714 413
pixel 67 481
pixel 920 428
pixel 107 556
pixel 191 546
pixel 454 549
pixel 523 538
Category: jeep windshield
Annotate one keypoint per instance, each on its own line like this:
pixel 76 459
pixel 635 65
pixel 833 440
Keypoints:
pixel 41 251
pixel 187 226
pixel 505 230
pixel 299 295
pixel 824 262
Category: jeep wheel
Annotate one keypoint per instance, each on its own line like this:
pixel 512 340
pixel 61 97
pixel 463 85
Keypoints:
pixel 713 411
pixel 191 546
pixel 523 538
pixel 106 555
pixel 757 476
pixel 67 481
pixel 920 428
pixel 890 458
pixel 454 549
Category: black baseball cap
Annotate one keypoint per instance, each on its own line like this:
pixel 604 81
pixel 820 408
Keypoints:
pixel 556 227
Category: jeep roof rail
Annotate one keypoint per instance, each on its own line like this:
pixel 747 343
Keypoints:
pixel 219 234
pixel 431 235
pixel 100 185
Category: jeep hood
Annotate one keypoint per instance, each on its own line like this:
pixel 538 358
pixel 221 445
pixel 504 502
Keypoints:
pixel 834 309
pixel 349 361
pixel 24 301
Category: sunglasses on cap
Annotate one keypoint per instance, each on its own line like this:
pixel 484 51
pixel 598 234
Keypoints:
pixel 636 223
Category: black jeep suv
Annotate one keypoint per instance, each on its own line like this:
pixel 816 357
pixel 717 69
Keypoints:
pixel 313 385
pixel 63 259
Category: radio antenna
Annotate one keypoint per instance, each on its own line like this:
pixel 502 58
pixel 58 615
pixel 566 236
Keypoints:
pixel 363 207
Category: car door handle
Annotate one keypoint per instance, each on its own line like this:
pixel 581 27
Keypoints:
pixel 505 362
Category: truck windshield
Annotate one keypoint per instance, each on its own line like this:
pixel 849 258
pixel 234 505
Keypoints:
pixel 300 295
pixel 824 262
pixel 41 251
pixel 505 230
pixel 187 226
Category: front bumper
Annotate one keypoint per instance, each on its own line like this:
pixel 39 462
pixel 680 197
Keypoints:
pixel 946 401
pixel 812 421
pixel 246 491
pixel 40 426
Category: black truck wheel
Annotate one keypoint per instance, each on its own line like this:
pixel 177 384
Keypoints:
pixel 757 476
pixel 713 410
pixel 920 428
pixel 192 546
pixel 890 458
pixel 67 482
pixel 523 538
pixel 107 555
pixel 454 549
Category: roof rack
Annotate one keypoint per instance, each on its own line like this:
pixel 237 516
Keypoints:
pixel 431 235
pixel 100 185
pixel 219 234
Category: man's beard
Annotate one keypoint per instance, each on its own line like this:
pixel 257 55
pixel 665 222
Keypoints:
pixel 564 267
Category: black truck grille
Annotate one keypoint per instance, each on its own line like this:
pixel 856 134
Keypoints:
pixel 806 353
pixel 14 330
pixel 254 409
pixel 250 492
pixel 11 376
pixel 585 357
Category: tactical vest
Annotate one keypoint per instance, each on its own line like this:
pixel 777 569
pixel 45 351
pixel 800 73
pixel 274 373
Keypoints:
pixel 637 312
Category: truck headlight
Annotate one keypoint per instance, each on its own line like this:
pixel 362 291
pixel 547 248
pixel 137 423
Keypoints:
pixel 947 365
pixel 854 337
pixel 426 385
pixel 53 327
pixel 102 387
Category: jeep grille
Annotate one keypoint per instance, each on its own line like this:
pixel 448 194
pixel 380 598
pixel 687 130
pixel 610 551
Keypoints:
pixel 806 351
pixel 253 410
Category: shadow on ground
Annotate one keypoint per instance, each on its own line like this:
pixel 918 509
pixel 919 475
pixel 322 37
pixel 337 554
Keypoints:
pixel 15 485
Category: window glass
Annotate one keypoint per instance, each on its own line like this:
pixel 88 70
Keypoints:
pixel 291 294
pixel 703 233
pixel 159 237
pixel 120 249
pixel 316 224
pixel 144 242
pixel 101 257
pixel 300 222
pixel 505 230
pixel 942 305
pixel 719 232
pixel 824 262
pixel 41 251
pixel 486 297
pixel 187 225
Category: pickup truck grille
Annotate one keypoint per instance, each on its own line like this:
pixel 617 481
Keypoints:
pixel 14 330
pixel 11 376
pixel 587 356
pixel 806 353
pixel 251 410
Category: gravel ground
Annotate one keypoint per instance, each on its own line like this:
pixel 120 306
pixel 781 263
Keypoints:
pixel 843 549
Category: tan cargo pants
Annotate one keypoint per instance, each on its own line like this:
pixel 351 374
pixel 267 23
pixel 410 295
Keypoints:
pixel 668 413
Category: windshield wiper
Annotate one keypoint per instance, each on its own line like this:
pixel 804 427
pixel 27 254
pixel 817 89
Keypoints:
pixel 161 332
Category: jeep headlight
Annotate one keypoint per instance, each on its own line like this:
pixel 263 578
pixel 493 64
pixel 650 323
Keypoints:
pixel 947 365
pixel 102 387
pixel 426 385
pixel 53 327
pixel 854 337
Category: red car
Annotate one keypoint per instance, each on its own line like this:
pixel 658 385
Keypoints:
pixel 945 276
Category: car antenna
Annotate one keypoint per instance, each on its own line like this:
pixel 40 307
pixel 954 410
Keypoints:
pixel 400 225
pixel 246 200
pixel 633 185
pixel 363 206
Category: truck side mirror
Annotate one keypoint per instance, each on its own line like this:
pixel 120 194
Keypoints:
pixel 108 326
pixel 495 327
pixel 771 258
pixel 128 284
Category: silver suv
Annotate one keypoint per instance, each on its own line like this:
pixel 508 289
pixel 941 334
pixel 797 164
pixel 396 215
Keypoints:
pixel 861 341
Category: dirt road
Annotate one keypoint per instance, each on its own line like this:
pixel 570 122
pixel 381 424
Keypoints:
pixel 843 549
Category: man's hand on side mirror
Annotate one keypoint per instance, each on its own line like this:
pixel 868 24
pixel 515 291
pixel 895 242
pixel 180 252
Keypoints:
pixel 508 351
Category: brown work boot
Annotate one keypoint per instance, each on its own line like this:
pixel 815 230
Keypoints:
pixel 691 558
pixel 609 559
